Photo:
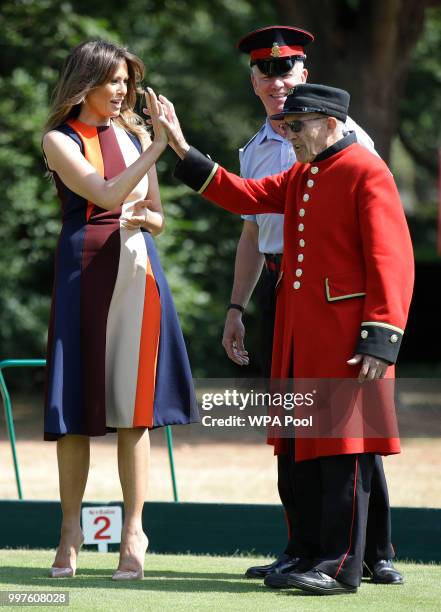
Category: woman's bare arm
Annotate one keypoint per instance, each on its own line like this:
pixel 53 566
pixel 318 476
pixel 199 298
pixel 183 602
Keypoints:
pixel 155 216
pixel 65 158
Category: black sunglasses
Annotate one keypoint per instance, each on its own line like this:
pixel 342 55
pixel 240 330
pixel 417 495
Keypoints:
pixel 297 124
pixel 277 67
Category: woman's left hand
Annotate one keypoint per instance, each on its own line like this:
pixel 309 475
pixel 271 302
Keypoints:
pixel 138 215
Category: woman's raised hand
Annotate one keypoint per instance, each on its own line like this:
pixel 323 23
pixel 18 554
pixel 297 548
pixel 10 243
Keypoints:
pixel 165 122
pixel 156 112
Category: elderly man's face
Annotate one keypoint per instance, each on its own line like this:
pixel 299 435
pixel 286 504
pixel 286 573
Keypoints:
pixel 312 137
pixel 273 90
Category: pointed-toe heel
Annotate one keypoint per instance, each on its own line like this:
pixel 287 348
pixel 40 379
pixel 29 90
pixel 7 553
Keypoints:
pixel 128 575
pixel 66 572
pixel 61 572
pixel 133 574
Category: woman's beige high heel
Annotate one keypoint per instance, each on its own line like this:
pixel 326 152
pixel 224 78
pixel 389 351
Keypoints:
pixel 62 572
pixel 132 574
pixel 66 572
pixel 128 575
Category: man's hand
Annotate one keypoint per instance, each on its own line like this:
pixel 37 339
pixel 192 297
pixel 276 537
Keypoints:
pixel 371 368
pixel 171 124
pixel 232 341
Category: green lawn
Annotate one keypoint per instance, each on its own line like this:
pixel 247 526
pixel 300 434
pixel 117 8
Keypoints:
pixel 205 583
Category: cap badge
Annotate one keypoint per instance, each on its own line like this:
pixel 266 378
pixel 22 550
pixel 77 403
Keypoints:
pixel 275 51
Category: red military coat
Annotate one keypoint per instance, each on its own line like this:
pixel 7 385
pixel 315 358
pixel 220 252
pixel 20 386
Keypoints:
pixel 347 271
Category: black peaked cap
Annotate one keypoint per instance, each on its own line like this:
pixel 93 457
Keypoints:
pixel 263 41
pixel 311 98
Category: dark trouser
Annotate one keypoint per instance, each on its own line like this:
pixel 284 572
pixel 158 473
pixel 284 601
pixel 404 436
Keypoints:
pixel 331 510
pixel 378 536
pixel 378 532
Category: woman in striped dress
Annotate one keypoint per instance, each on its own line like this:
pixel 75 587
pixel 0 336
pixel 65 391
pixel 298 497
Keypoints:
pixel 116 355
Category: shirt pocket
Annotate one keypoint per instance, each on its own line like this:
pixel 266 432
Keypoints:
pixel 344 287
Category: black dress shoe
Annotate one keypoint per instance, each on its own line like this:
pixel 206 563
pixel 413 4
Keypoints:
pixel 384 572
pixel 276 580
pixel 284 563
pixel 315 581
pixel 279 579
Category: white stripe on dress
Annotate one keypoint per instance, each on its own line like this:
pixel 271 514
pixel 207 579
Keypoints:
pixel 124 322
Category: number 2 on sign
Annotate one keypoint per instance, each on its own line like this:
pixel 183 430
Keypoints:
pixel 100 533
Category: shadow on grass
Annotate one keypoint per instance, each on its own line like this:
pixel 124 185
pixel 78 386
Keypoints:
pixel 184 582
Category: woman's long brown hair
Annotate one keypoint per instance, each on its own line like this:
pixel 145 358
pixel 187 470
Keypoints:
pixel 90 65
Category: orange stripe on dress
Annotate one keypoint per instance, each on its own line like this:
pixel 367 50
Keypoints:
pixel 92 150
pixel 148 353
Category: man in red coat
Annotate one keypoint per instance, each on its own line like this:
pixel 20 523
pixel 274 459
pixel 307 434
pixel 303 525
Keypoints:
pixel 343 299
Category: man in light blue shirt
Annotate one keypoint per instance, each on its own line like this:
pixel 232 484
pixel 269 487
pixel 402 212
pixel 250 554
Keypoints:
pixel 277 64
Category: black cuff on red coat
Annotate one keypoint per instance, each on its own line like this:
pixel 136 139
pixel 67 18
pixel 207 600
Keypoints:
pixel 381 341
pixel 195 170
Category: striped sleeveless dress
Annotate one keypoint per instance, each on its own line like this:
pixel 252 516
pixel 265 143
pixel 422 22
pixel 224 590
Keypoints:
pixel 116 354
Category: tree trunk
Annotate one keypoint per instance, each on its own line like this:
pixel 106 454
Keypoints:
pixel 363 46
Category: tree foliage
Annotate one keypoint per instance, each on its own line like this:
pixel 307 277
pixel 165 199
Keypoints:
pixel 188 49
pixel 420 105
pixel 190 56
pixel 364 46
pixel 35 37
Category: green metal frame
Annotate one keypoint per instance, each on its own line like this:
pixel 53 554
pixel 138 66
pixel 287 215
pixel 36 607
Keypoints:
pixel 19 363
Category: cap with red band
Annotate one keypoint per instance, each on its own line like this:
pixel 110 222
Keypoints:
pixel 275 42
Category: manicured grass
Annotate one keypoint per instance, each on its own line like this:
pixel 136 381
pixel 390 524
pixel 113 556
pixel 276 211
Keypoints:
pixel 205 583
